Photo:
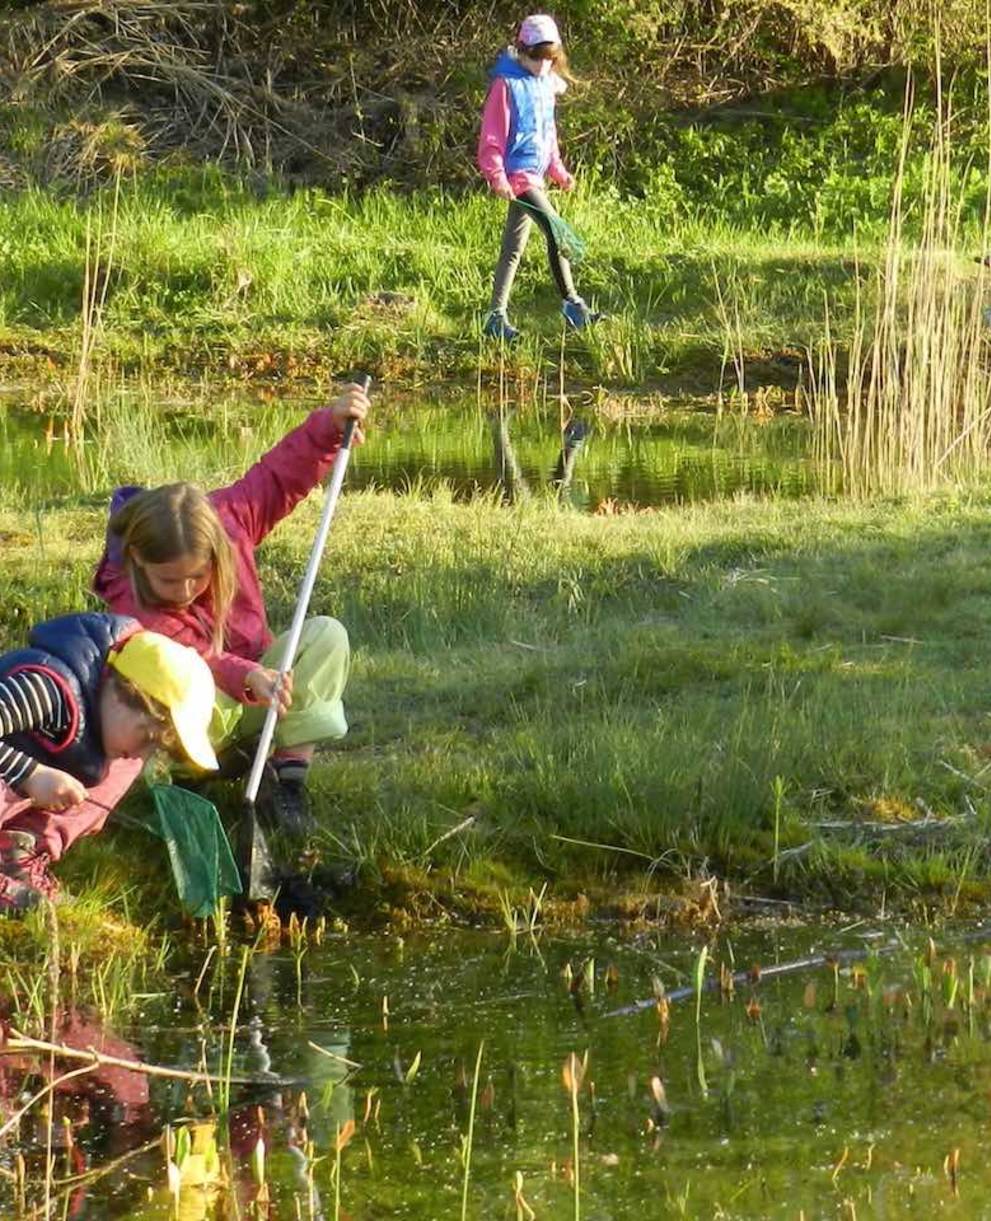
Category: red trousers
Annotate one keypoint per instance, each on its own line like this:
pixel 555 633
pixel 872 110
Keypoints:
pixel 55 831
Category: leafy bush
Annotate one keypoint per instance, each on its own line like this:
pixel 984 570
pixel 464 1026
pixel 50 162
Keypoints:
pixel 749 105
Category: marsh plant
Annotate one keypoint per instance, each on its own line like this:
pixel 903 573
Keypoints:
pixel 572 1077
pixel 468 1140
pixel 525 919
pixel 699 982
pixel 98 267
pixel 342 1138
pixel 227 1068
pixel 913 409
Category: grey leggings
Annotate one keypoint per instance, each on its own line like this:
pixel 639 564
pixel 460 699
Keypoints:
pixel 532 205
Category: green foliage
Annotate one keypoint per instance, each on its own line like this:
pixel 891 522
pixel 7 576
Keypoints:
pixel 206 271
pixel 812 161
pixel 646 681
pixel 391 92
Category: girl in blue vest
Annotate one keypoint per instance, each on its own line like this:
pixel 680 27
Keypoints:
pixel 81 707
pixel 517 150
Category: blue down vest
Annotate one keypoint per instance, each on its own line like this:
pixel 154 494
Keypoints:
pixel 531 117
pixel 73 651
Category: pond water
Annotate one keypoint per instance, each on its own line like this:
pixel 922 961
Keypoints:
pixel 637 453
pixel 857 1088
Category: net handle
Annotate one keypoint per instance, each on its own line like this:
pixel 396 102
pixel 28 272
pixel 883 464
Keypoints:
pixel 334 483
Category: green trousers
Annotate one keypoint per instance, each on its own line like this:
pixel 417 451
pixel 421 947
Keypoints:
pixel 320 674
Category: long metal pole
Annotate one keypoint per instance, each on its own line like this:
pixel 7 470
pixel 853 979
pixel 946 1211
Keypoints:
pixel 302 604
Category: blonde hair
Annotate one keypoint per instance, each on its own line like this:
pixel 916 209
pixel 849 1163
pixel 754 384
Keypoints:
pixel 169 523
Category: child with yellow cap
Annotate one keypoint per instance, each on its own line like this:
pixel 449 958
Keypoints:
pixel 81 709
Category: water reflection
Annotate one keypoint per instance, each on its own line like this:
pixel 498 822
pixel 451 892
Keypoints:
pixel 509 473
pixel 593 463
pixel 80 1114
pixel 854 1076
pixel 678 453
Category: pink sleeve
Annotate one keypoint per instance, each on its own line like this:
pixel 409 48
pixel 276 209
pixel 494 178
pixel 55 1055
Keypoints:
pixel 556 169
pixel 276 484
pixel 229 672
pixel 494 135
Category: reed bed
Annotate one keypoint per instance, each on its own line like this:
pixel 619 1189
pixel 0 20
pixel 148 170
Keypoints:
pixel 912 409
pixel 182 69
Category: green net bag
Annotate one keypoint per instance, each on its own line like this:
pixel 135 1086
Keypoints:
pixel 570 243
pixel 199 852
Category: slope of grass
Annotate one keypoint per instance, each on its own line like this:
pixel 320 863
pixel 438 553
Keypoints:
pixel 205 276
pixel 642 681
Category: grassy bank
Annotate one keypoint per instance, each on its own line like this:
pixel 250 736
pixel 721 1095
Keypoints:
pixel 736 170
pixel 725 217
pixel 789 696
pixel 786 696
pixel 199 274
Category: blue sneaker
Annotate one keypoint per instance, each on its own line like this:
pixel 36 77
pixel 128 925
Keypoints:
pixel 497 326
pixel 578 315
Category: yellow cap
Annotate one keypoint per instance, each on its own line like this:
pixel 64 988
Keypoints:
pixel 178 678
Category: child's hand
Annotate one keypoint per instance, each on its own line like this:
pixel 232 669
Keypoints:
pixel 567 184
pixel 504 191
pixel 260 685
pixel 50 789
pixel 353 404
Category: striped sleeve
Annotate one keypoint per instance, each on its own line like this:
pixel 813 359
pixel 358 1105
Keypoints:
pixel 32 700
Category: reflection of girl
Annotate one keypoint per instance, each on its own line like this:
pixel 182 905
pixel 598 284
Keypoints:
pixel 517 148
pixel 103 1111
pixel 282 1119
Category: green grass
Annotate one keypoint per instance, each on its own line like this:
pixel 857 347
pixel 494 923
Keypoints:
pixel 206 275
pixel 639 681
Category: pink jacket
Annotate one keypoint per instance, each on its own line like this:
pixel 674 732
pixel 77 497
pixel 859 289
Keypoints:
pixel 249 509
pixel 492 147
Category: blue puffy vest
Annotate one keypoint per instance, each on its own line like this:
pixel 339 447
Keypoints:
pixel 73 650
pixel 531 117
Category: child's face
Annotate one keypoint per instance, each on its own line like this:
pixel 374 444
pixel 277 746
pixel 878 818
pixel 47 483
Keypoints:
pixel 536 65
pixel 127 734
pixel 177 582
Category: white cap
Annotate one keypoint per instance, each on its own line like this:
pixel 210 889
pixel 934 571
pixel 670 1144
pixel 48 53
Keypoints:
pixel 536 28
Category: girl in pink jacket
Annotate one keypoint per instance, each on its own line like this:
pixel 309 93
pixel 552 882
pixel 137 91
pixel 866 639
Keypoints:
pixel 182 562
pixel 517 149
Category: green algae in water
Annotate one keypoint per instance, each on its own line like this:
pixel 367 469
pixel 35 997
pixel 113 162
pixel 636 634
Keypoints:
pixel 811 1100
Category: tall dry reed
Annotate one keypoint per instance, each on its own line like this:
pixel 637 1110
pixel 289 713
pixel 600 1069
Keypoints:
pixel 97 271
pixel 913 410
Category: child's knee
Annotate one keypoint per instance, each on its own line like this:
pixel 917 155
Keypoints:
pixel 331 632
